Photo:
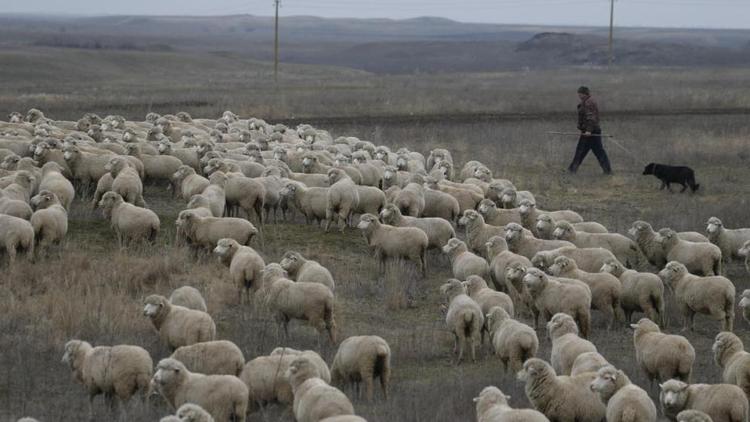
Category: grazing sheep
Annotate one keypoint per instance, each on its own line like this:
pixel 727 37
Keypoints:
pixel 625 401
pixel 130 223
pixel 588 362
pixel 264 377
pixel 513 341
pixel 728 240
pixel 116 371
pixel 501 258
pixel 315 358
pixel 477 231
pixel 721 402
pixel 649 242
pixel 311 202
pixel 641 292
pixel 703 258
pixel 16 235
pixel 693 416
pixel 125 181
pixel 190 412
pixel 54 181
pixel 511 198
pixel 438 230
pixel 524 243
pixel 410 201
pixel 624 249
pixel 745 305
pixel 312 302
pixel 590 260
pixel 14 207
pixel 245 265
pixel 188 156
pixel 395 242
pixel 606 290
pixel 223 396
pixel 545 225
pixel 463 262
pixel 342 198
pixel 713 296
pixel 551 297
pixel 662 356
pixel 314 399
pixel 187 182
pixel 492 406
pixel 50 220
pixel 561 398
pixel 247 194
pixel 464 317
pixel 155 167
pixel 362 359
pixel 566 345
pixel 497 216
pixel 731 357
pixel 468 199
pixel 188 297
pixel 301 269
pixel 220 357
pixel 529 214
pixel 178 326
pixel 205 232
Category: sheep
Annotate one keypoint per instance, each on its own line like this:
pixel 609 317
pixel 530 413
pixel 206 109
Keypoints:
pixel 178 326
pixel 264 377
pixel 606 290
pixel 301 269
pixel 721 402
pixel 501 258
pixel 625 401
pixel 220 357
pixel 190 412
pixel 513 341
pixel 492 406
pixel 188 297
pixel 362 359
pixel 641 292
pixel 438 230
pixel 206 232
pixel 125 181
pixel 464 317
pixel 588 259
pixel 731 357
pixel 410 200
pixel 215 193
pixel 50 220
pixel 311 202
pixel 477 231
pixel 463 262
pixel 245 265
pixel 344 418
pixel 524 243
pixel 511 198
pixel 371 200
pixel 702 258
pixel 247 194
pixel 436 156
pixel 342 198
pixel 85 167
pixel 713 296
pixel 561 398
pixel 744 251
pixel 188 156
pixel 497 216
pixel 693 416
pixel 662 356
pixel 468 199
pixel 744 305
pixel 588 362
pixel 16 234
pixel 54 181
pixel 130 223
pixel 187 182
pixel 439 204
pixel 545 225
pixel 312 302
pixel 566 345
pixel 729 241
pixel 649 242
pixel 551 297
pixel 223 396
pixel 395 242
pixel 529 214
pixel 21 188
pixel 624 249
pixel 314 399
pixel 315 358
pixel 115 371
pixel 14 207
pixel 156 167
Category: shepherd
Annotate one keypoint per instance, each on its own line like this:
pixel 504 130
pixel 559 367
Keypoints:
pixel 590 139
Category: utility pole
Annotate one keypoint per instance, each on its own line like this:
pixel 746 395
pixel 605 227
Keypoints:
pixel 276 44
pixel 611 30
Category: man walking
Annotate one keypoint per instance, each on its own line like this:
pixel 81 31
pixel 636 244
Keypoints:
pixel 590 140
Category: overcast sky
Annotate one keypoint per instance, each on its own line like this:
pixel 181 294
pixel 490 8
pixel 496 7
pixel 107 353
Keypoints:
pixel 665 13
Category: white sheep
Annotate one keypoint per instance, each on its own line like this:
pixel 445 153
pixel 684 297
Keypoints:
pixel 721 402
pixel 513 341
pixel 492 406
pixel 463 262
pixel 588 362
pixel 552 297
pixel 130 223
pixel 713 296
pixel 478 233
pixel 662 356
pixel 624 249
pixel 464 317
pixel 641 292
pixel 395 242
pixel 500 258
pixel 342 198
pixel 16 235
pixel 53 180
pixel 50 220
pixel 188 297
pixel 178 326
pixel 728 240
pixel 362 359
pixel 744 305
pixel 219 357
pixel 301 269
pixel 522 242
pixel 545 225
pixel 205 232
pixel 649 242
pixel 588 259
pixel 703 258
pixel 190 412
pixel 438 230
pixel 245 265
pixel 744 251
pixel 314 399
pixel 566 345
pixel 731 357
pixel 125 181
pixel 625 401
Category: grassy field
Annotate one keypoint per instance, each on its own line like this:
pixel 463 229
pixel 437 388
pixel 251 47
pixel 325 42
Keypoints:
pixel 95 292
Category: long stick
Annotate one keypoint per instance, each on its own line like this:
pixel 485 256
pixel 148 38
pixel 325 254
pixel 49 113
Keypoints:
pixel 578 134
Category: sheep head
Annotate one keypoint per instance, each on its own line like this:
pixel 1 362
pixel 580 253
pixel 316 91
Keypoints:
pixel 110 200
pixel 368 222
pixel 197 201
pixel 640 228
pixel 218 178
pixel 515 272
pixel 226 248
pixel 513 233
pixel 668 238
pixel 71 152
pixel 495 316
pixel 300 370
pixel 561 324
pixel 725 345
pixel 613 267
pixel 335 175
pixel 495 245
pixel 508 196
pixel 182 172
pixel 672 272
pixel 713 227
pixel 10 162
pixel 169 372
pixel 534 369
pixel 44 199
pixel 190 412
pixel 470 218
pixel 390 214
pixel 486 206
pixel 526 207
pixel 645 325
pixel 289 190
pixel 605 383
pixel 155 306
pixel 15 117
pixel 673 395
pixel 402 162
pixel 454 246
pixel 484 174
pixel 381 153
pixel 744 250
pixel 562 265
pixel 489 397
pixel 564 231
pixel 291 261
pixel 452 289
pixel 535 279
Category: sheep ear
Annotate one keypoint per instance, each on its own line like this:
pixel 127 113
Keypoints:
pixel 634 326
pixel 507 397
pixel 475 399
pixel 661 386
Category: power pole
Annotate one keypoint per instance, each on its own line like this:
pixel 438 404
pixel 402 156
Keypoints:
pixel 611 30
pixel 276 44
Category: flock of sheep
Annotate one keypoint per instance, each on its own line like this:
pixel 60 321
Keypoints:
pixel 510 260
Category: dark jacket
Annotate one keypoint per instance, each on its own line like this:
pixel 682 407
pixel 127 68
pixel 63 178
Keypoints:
pixel 588 115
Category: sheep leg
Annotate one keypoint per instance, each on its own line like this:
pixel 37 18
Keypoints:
pixel 455 343
pixel 461 342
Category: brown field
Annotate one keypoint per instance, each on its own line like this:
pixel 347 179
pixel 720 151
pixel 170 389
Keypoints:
pixel 94 291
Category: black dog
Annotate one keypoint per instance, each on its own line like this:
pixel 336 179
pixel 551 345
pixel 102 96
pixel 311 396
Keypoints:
pixel 673 174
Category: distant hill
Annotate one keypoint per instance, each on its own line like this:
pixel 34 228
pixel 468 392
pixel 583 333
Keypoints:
pixel 424 44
